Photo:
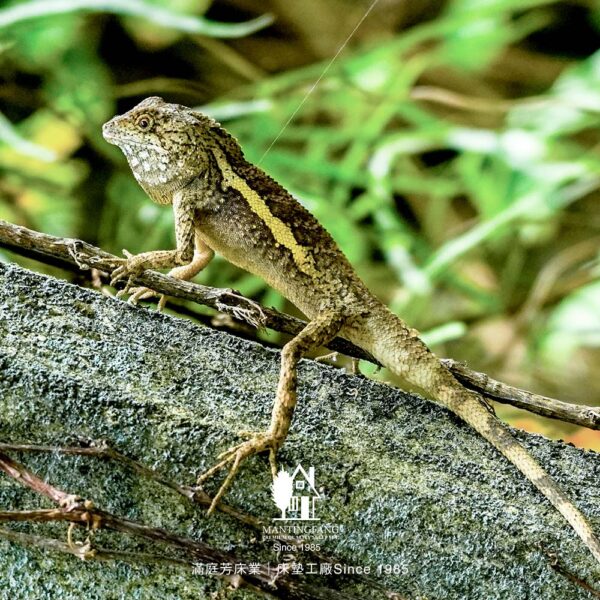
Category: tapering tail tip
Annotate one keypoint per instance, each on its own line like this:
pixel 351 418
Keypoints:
pixel 473 411
pixel 408 357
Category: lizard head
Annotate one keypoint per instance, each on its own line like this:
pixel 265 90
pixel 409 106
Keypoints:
pixel 163 143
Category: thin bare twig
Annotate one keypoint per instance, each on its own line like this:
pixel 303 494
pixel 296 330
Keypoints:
pixel 192 493
pixel 77 255
pixel 18 472
pixel 83 512
pixel 585 416
pixel 555 564
pixel 38 541
pixel 103 450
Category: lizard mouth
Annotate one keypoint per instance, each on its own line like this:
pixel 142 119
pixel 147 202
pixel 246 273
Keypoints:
pixel 113 138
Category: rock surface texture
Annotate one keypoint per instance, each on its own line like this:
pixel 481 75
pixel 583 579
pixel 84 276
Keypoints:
pixel 407 483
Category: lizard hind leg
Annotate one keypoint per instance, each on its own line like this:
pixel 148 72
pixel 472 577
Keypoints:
pixel 317 333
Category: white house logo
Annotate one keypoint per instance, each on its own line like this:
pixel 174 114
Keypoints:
pixel 295 494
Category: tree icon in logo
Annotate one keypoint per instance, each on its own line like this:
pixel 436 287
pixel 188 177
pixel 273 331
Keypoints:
pixel 295 494
pixel 282 490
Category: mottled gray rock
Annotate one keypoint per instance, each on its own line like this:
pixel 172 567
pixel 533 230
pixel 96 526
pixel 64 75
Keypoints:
pixel 410 484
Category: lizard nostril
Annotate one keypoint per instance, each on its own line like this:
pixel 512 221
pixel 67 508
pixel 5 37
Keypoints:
pixel 107 131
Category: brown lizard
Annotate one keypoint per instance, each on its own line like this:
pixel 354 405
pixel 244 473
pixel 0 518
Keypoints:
pixel 222 203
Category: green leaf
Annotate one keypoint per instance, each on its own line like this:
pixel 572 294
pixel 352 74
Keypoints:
pixel 81 89
pixel 574 324
pixel 36 9
pixel 130 220
pixel 572 104
pixel 36 45
pixel 10 135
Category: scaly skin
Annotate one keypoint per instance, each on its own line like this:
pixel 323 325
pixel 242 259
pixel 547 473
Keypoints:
pixel 224 204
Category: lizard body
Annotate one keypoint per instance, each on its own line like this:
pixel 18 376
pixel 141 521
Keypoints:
pixel 222 203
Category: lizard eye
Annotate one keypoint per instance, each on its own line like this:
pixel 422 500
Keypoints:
pixel 144 122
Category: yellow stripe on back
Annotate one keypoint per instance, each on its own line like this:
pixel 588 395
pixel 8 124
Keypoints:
pixel 281 231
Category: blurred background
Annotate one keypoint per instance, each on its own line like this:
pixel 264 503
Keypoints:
pixel 451 148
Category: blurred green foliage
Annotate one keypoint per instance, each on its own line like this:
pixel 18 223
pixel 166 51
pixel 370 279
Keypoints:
pixel 451 149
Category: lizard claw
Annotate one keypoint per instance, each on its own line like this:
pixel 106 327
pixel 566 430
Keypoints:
pixel 109 264
pixel 234 456
pixel 118 274
pixel 125 290
pixel 128 267
pixel 144 293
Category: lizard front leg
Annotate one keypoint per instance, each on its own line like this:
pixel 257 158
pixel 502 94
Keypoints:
pixel 316 333
pixel 183 255
pixel 203 254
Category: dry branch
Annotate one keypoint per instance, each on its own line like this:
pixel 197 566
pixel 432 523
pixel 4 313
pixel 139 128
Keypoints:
pixel 76 255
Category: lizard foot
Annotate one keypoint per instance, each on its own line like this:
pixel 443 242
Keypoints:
pixel 129 268
pixel 257 442
pixel 143 293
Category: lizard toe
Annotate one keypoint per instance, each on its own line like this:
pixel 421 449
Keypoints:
pixel 234 456
pixel 140 293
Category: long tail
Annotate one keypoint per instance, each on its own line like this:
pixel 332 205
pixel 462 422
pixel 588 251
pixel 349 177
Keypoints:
pixel 399 348
pixel 469 407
